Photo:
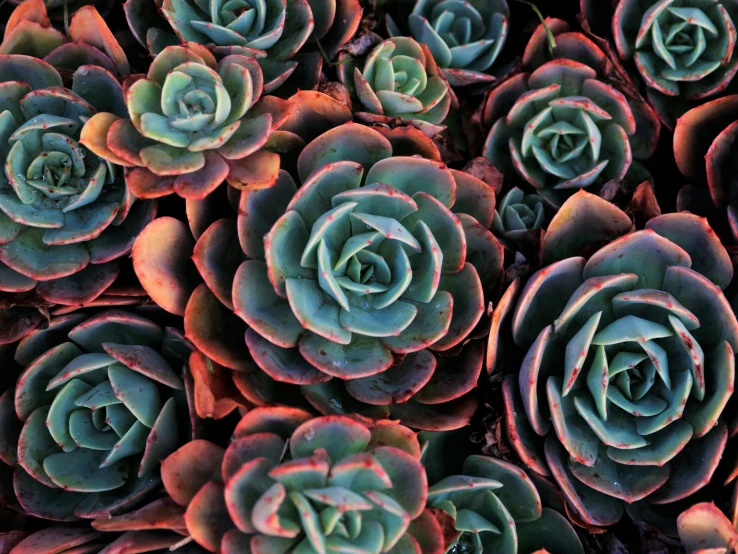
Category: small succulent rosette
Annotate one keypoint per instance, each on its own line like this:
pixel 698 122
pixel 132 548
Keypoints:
pixel 280 34
pixel 683 50
pixel 518 213
pixel 100 402
pixel 704 529
pixel 594 53
pixel 495 507
pixel 704 147
pixel 397 79
pixel 192 124
pixel 560 129
pixel 88 41
pixel 290 481
pixel 72 540
pixel 630 360
pixel 346 285
pixel 465 38
pixel 66 216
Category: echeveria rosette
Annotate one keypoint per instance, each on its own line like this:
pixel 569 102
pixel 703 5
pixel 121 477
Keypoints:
pixel 704 147
pixel 596 53
pixel 372 261
pixel 228 288
pixel 280 33
pixel 518 212
pixel 683 49
pixel 66 215
pixel 464 38
pixel 192 124
pixel 289 481
pixel 101 403
pixel 630 360
pixel 704 529
pixel 88 41
pixel 397 79
pixel 559 129
pixel 495 507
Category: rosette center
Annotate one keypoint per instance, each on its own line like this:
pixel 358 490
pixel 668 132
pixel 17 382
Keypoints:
pixel 457 23
pixel 195 105
pixel 566 141
pixel 685 39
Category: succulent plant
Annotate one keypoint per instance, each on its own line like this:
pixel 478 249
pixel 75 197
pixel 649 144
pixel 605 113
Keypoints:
pixel 398 78
pixel 99 404
pixel 559 128
pixel 66 216
pixel 88 41
pixel 704 529
pixel 192 125
pixel 289 481
pixel 281 35
pixel 517 212
pixel 495 507
pixel 683 50
pixel 704 149
pixel 596 53
pixel 408 252
pixel 464 38
pixel 630 359
pixel 71 540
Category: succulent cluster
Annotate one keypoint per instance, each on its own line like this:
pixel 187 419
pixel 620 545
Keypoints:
pixel 368 277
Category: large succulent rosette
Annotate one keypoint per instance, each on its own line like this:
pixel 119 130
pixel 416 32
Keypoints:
pixel 349 285
pixel 100 403
pixel 66 216
pixel 559 128
pixel 704 147
pixel 292 482
pixel 630 360
pixel 88 41
pixel 191 125
pixel 373 261
pixel 281 34
pixel 495 507
pixel 684 50
pixel 464 38
pixel 398 79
